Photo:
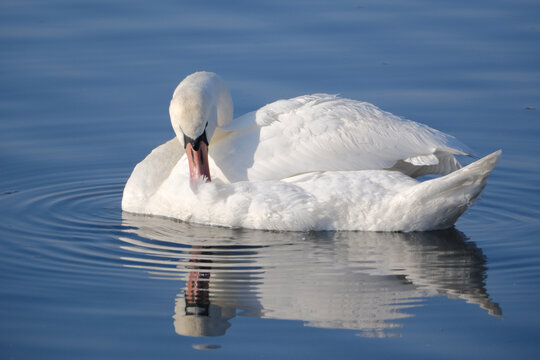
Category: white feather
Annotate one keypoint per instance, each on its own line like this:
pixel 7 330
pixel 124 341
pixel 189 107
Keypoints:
pixel 315 162
pixel 327 133
pixel 369 200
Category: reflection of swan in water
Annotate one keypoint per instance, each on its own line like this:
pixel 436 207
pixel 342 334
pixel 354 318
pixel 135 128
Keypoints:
pixel 195 313
pixel 342 280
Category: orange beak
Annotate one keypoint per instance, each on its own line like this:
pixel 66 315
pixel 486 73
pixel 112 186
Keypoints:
pixel 198 162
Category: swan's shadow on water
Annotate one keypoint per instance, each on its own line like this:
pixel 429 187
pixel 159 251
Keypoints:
pixel 342 280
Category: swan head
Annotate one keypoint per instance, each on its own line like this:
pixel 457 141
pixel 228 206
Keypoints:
pixel 200 104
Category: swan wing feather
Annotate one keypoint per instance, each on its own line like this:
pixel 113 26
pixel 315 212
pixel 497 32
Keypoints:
pixel 324 132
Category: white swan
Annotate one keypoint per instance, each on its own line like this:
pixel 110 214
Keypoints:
pixel 315 162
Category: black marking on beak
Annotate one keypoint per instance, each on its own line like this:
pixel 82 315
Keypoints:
pixel 196 143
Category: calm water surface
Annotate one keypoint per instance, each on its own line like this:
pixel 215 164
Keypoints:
pixel 85 87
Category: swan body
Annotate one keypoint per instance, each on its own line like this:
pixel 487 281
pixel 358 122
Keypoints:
pixel 315 162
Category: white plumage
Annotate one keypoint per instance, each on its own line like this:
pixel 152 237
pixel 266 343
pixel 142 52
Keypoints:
pixel 324 133
pixel 316 162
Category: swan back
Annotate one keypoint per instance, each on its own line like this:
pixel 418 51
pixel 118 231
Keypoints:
pixel 323 132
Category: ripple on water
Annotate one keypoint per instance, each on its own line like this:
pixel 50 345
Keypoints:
pixel 62 222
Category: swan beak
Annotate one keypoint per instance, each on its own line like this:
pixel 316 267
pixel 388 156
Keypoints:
pixel 198 162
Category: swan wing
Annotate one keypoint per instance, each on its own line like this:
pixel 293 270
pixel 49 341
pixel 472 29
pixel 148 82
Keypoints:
pixel 323 132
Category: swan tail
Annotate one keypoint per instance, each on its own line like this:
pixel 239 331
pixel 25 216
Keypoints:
pixel 440 202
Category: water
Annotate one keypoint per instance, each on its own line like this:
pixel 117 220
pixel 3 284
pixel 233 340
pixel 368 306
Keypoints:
pixel 84 96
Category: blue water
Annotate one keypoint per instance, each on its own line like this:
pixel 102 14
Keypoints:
pixel 84 93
